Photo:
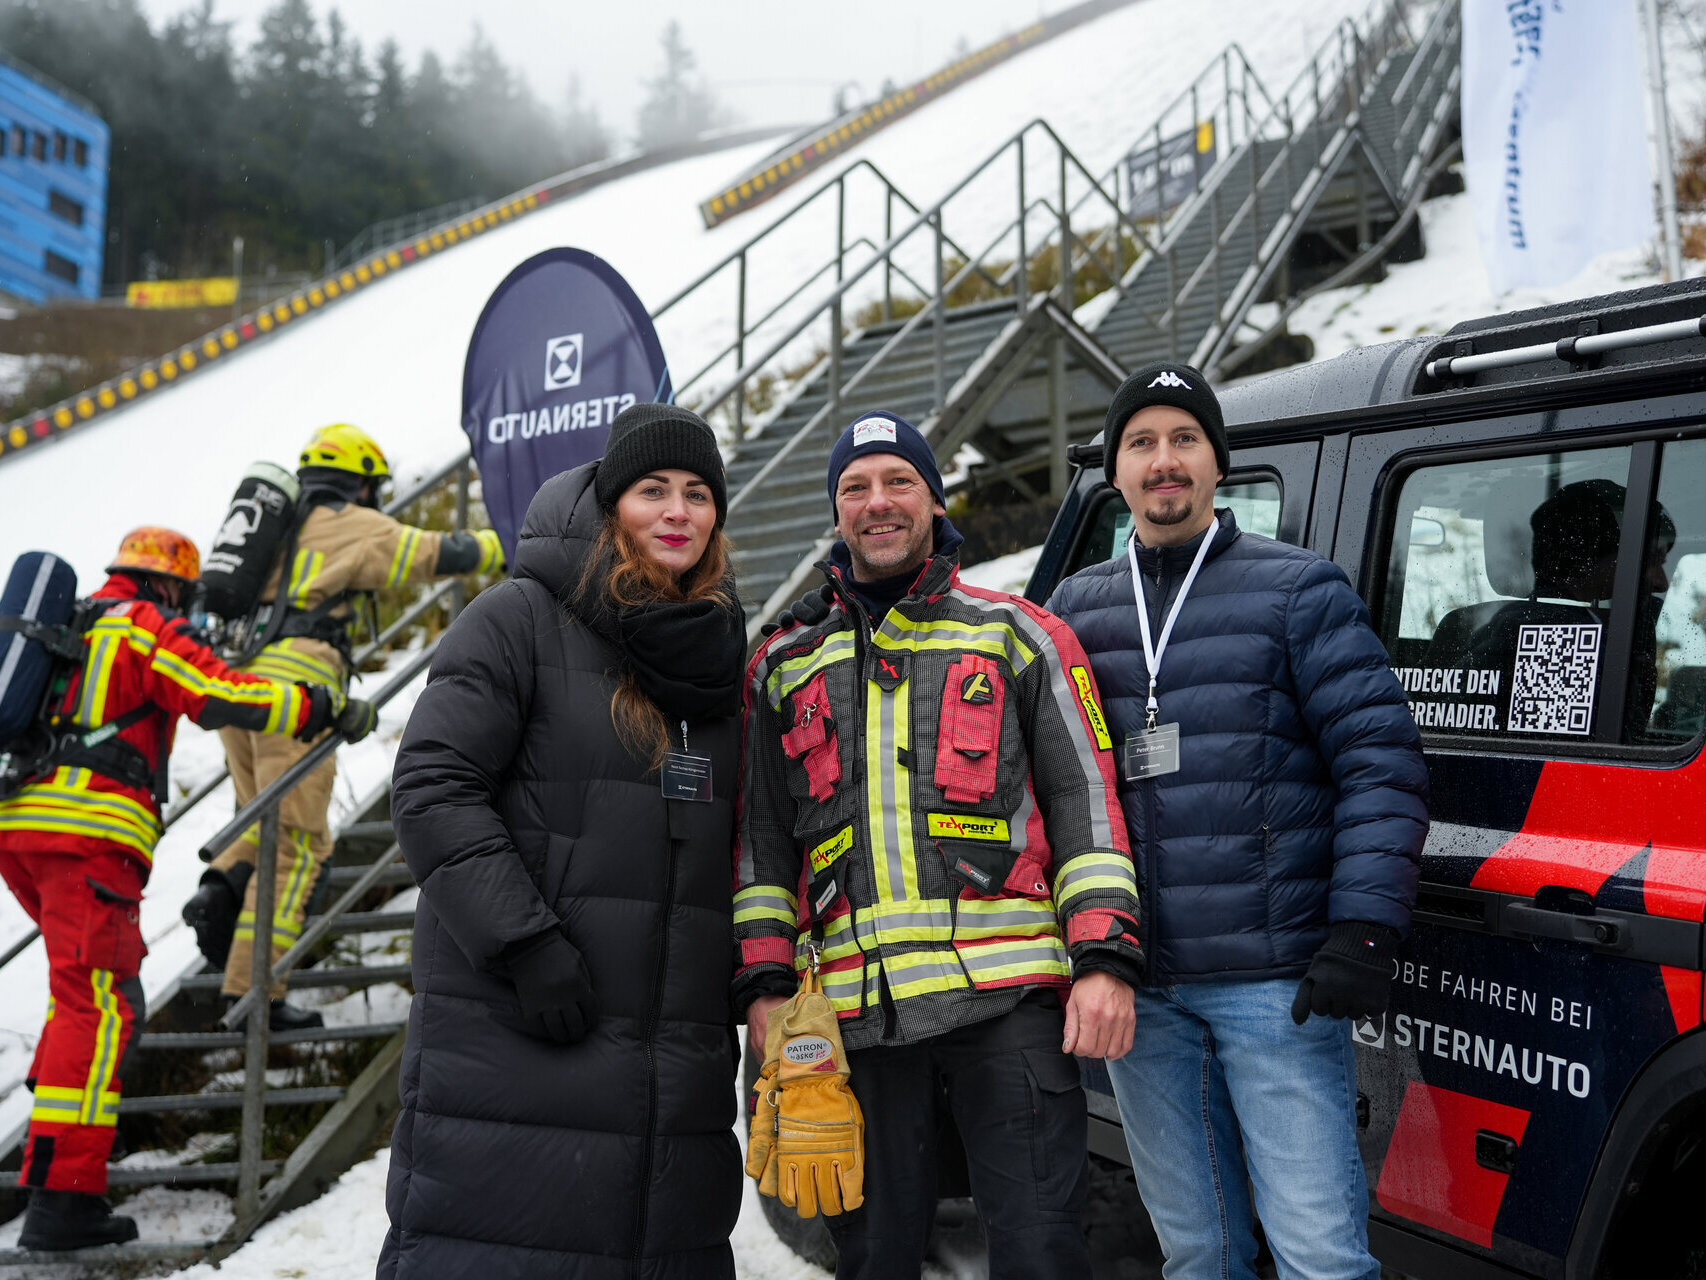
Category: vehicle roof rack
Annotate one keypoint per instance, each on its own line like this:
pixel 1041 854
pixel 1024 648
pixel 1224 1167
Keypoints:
pixel 1574 349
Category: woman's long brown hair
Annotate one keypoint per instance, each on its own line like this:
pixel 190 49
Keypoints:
pixel 637 579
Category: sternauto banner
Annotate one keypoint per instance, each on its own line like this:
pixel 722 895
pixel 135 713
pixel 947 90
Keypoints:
pixel 1554 135
pixel 562 347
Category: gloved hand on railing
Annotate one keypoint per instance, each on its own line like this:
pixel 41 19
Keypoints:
pixel 358 719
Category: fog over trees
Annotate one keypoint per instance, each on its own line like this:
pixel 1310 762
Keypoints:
pixel 306 136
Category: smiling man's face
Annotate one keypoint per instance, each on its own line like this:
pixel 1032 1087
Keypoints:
pixel 1166 471
pixel 885 513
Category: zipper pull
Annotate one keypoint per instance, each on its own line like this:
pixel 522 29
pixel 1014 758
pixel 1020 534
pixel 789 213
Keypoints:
pixel 684 736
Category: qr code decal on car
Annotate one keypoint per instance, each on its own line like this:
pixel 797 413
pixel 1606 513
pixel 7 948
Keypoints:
pixel 1552 689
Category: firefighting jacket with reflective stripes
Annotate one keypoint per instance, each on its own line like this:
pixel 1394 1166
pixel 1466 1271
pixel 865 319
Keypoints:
pixel 137 655
pixel 340 547
pixel 933 793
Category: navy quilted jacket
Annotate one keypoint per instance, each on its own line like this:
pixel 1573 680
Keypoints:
pixel 1301 796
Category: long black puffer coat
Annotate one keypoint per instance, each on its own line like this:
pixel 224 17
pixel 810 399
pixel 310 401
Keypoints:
pixel 517 806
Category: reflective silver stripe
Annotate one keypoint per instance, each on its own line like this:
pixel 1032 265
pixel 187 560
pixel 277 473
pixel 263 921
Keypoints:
pixel 888 771
pixel 32 604
pixel 1033 919
pixel 783 679
pixel 1090 866
pixel 998 631
pixel 998 957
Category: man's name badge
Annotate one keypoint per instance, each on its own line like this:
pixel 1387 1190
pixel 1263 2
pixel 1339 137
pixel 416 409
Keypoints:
pixel 686 776
pixel 1150 754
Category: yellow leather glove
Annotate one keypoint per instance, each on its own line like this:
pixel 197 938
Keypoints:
pixel 761 1138
pixel 819 1152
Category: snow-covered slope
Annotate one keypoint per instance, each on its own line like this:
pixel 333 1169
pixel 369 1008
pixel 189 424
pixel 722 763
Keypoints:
pixel 390 358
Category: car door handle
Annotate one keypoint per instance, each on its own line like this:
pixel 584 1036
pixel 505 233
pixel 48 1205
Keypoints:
pixel 1591 929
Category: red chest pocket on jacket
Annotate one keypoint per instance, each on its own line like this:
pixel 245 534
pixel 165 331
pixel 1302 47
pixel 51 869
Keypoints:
pixel 966 749
pixel 812 740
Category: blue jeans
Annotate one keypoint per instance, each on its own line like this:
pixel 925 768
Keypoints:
pixel 1221 1094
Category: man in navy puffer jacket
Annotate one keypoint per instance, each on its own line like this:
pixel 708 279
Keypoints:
pixel 1277 847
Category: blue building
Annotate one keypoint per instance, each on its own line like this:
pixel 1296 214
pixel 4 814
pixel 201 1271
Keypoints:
pixel 53 188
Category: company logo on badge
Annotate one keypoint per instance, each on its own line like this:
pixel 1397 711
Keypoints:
pixel 1370 1032
pixel 563 362
pixel 1167 378
pixel 873 431
pixel 808 1051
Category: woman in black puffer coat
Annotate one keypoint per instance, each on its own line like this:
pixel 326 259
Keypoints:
pixel 568 1086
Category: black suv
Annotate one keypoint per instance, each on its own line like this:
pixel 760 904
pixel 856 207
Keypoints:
pixel 1522 503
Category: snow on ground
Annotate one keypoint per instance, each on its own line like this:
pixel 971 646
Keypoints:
pixel 1004 573
pixel 390 357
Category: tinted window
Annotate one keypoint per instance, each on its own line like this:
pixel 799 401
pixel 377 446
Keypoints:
pixel 60 142
pixel 58 265
pixel 1255 505
pixel 18 140
pixel 38 148
pixel 1667 699
pixel 1500 587
pixel 63 206
pixel 80 153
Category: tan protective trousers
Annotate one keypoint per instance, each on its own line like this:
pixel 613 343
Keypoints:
pixel 304 843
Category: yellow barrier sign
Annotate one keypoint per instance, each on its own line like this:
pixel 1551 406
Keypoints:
pixel 217 291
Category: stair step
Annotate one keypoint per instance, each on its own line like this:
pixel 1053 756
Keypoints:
pixel 106 1256
pixel 206 1041
pixel 333 976
pixel 227 1100
pixel 181 1175
pixel 391 877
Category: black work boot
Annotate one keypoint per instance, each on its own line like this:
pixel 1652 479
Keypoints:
pixel 212 912
pixel 286 1017
pixel 61 1220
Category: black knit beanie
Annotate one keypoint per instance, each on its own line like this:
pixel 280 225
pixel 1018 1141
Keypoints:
pixel 658 437
pixel 1165 383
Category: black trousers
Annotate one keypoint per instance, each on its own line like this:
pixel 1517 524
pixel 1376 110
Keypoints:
pixel 1017 1103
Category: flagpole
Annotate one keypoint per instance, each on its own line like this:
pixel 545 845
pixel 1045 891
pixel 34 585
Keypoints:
pixel 1667 160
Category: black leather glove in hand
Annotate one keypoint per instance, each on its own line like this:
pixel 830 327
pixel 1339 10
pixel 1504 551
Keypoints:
pixel 552 985
pixel 809 610
pixel 320 711
pixel 358 719
pixel 1351 976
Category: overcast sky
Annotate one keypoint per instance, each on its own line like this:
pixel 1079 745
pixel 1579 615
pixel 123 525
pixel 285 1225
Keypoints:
pixel 771 60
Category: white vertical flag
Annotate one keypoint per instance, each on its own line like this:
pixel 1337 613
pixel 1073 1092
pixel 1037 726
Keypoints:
pixel 1554 135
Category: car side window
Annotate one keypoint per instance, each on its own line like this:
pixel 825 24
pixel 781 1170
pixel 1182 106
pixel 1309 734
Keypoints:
pixel 1667 702
pixel 1255 504
pixel 1499 592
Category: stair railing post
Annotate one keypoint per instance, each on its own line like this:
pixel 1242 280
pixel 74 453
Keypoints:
pixel 1226 92
pixel 1059 471
pixel 1022 274
pixel 941 332
pixel 1066 283
pixel 888 259
pixel 1196 153
pixel 458 589
pixel 1173 299
pixel 255 1037
pixel 740 345
pixel 835 361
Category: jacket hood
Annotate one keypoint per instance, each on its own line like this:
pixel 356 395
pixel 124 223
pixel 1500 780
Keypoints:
pixel 557 535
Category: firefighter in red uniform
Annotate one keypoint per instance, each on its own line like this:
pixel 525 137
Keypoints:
pixel 76 844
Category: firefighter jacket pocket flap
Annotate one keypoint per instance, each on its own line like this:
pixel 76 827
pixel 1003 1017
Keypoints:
pixel 812 740
pixel 112 931
pixel 966 749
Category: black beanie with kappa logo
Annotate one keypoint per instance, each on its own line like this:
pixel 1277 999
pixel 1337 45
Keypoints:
pixel 1165 382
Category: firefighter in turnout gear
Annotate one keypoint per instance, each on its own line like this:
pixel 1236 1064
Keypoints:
pixel 76 845
pixel 343 546
pixel 928 803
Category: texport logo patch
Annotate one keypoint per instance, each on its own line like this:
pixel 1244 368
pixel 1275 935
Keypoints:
pixel 1092 712
pixel 966 826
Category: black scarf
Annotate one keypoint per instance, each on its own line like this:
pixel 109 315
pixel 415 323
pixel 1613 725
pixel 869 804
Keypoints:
pixel 686 656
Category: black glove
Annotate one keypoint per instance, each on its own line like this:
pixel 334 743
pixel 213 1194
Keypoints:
pixel 1351 976
pixel 551 983
pixel 319 711
pixel 809 610
pixel 358 719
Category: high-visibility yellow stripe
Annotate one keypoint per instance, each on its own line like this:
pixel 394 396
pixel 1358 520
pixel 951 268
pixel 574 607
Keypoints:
pixel 766 902
pixel 996 639
pixel 108 1032
pixel 97 674
pixel 915 973
pixel 903 789
pixel 59 1093
pixel 403 558
pixel 1022 958
pixel 491 550
pixel 1005 918
pixel 790 674
pixel 844 990
pixel 912 920
pixel 281 660
pixel 302 574
pixel 1096 869
pixel 101 815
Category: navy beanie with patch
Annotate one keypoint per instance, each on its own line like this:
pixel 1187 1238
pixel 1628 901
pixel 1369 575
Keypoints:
pixel 883 432
pixel 1166 382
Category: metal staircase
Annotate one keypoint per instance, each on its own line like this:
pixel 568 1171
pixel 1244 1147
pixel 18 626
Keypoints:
pixel 1016 363
pixel 310 1103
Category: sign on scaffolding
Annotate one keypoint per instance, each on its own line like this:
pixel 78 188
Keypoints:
pixel 216 291
pixel 1163 176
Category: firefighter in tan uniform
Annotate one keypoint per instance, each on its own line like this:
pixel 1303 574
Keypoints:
pixel 343 546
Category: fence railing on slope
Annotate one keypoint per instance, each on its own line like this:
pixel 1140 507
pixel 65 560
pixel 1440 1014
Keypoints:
pixel 1227 98
pixel 1421 100
pixel 399 230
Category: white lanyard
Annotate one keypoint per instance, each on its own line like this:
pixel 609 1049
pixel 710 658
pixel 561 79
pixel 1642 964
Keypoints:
pixel 1151 651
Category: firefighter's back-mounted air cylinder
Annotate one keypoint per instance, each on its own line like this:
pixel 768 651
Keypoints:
pixel 38 600
pixel 247 545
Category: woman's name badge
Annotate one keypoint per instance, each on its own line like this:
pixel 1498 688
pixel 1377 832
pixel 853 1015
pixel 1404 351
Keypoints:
pixel 1150 754
pixel 686 776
